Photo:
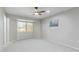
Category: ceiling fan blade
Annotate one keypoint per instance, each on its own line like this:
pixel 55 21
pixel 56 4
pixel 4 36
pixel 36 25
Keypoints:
pixel 41 11
pixel 40 14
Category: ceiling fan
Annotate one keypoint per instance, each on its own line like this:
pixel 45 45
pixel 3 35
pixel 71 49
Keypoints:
pixel 37 12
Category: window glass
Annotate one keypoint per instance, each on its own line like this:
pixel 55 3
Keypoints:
pixel 29 27
pixel 24 26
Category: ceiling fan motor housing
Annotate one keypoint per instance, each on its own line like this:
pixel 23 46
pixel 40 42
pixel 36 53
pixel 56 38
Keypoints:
pixel 36 7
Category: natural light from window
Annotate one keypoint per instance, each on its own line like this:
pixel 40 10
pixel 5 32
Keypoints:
pixel 24 26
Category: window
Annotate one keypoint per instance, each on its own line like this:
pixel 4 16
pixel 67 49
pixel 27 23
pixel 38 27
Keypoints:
pixel 24 26
pixel 29 27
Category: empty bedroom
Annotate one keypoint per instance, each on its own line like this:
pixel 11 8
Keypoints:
pixel 39 29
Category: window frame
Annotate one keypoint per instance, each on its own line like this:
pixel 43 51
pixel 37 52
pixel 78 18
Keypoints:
pixel 26 25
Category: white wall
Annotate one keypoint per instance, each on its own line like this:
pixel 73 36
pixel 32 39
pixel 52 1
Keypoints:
pixel 37 30
pixel 2 13
pixel 68 31
pixel 12 28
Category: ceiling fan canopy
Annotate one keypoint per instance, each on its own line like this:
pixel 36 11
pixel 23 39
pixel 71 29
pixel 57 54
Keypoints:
pixel 36 7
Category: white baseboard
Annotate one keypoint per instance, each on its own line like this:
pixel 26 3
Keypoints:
pixel 66 45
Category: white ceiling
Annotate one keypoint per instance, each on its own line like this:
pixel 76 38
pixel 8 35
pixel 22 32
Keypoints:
pixel 28 11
